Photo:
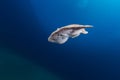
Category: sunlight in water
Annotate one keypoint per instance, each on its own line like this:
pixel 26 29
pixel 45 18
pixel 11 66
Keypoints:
pixel 82 3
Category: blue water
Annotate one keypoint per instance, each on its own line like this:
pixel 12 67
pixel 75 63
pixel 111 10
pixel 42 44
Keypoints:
pixel 26 26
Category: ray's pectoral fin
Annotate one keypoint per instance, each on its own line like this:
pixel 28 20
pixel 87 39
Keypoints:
pixel 75 34
pixel 84 31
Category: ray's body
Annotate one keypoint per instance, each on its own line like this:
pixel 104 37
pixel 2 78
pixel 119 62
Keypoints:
pixel 61 35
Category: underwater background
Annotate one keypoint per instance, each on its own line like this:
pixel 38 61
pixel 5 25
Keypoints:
pixel 26 54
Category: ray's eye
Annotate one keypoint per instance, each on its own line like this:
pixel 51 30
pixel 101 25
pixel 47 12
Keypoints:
pixel 59 35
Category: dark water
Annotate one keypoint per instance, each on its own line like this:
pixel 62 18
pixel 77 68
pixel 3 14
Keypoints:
pixel 25 26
